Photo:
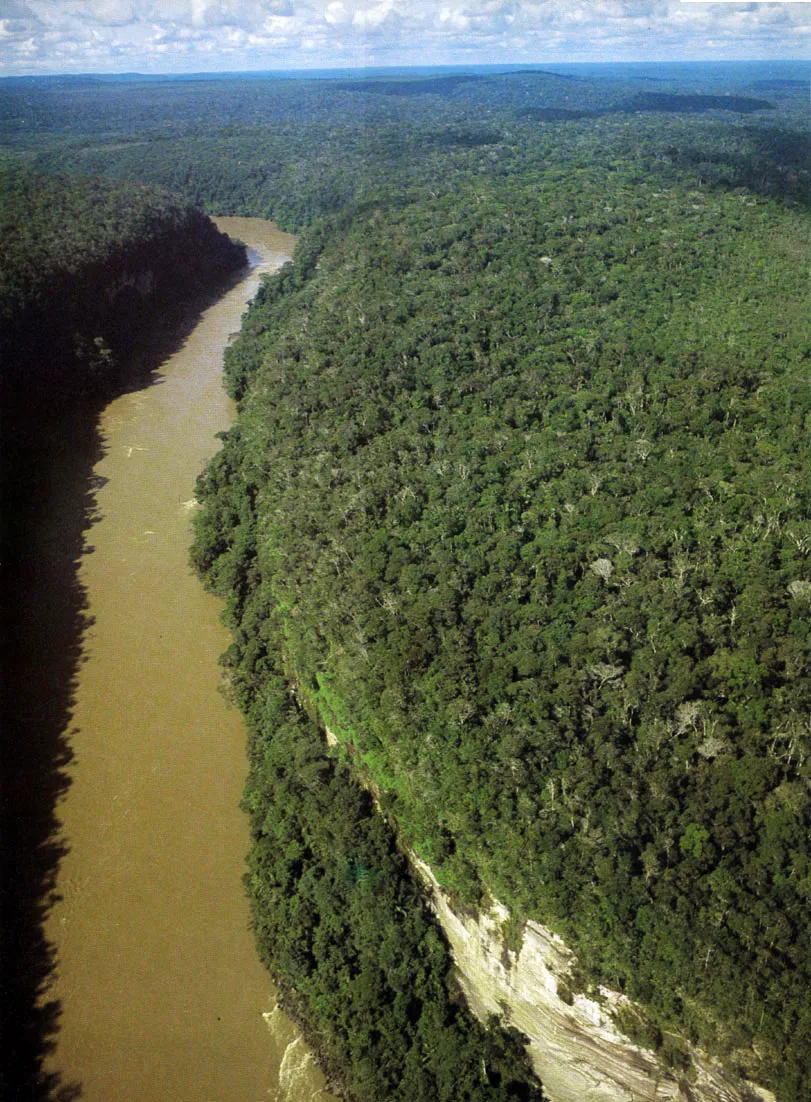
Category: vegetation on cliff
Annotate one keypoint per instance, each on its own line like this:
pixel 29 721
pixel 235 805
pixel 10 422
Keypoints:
pixel 520 478
pixel 341 924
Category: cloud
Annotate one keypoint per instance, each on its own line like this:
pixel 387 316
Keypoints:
pixel 374 17
pixel 112 13
pixel 15 9
pixel 279 24
pixel 19 27
pixel 456 18
pixel 10 28
pixel 255 34
pixel 337 14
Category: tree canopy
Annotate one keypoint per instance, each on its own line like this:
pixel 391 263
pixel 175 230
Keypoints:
pixel 517 505
pixel 520 480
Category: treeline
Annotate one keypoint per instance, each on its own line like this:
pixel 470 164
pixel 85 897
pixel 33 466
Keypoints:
pixel 520 478
pixel 299 150
pixel 83 262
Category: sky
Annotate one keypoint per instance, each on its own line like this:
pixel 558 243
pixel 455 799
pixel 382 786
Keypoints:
pixel 173 36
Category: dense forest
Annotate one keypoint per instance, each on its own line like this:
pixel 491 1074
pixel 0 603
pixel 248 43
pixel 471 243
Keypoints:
pixel 82 262
pixel 521 480
pixel 525 493
pixel 340 922
pixel 294 150
pixel 517 505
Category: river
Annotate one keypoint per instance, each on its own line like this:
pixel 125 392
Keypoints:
pixel 162 995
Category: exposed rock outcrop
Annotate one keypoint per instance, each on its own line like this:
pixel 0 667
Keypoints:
pixel 576 1049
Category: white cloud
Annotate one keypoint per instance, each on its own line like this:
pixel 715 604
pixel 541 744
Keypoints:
pixel 454 17
pixel 269 33
pixel 113 13
pixel 375 16
pixel 336 14
pixel 199 10
pixel 279 24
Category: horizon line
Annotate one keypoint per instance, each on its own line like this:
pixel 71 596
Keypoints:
pixel 437 65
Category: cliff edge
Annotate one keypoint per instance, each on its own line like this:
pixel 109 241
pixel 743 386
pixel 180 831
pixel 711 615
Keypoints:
pixel 576 1049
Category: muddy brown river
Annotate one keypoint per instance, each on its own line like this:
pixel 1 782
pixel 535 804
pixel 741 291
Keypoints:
pixel 163 997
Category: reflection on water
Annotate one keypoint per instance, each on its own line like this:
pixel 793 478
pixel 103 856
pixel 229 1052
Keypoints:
pixel 161 992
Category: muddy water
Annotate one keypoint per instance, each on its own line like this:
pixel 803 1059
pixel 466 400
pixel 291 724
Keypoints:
pixel 163 997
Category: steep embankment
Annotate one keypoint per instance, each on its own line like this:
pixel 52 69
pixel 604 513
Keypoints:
pixel 575 1043
pixel 576 1046
pixel 82 264
pixel 84 268
pixel 520 483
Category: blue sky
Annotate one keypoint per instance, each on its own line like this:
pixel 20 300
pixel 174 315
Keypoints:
pixel 71 36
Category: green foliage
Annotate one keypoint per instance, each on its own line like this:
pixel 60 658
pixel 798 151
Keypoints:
pixel 527 475
pixel 518 498
pixel 670 102
pixel 341 925
pixel 693 841
pixel 299 150
pixel 81 264
pixel 638 1028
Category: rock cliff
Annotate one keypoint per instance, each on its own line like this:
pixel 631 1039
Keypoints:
pixel 576 1049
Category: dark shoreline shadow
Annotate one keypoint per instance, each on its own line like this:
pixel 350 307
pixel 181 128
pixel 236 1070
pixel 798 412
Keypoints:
pixel 50 446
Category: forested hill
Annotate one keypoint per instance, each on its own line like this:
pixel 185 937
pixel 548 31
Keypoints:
pixel 520 488
pixel 294 150
pixel 81 262
pixel 518 506
pixel 85 269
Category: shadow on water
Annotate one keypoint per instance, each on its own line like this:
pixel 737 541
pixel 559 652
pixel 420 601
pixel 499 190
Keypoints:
pixel 51 445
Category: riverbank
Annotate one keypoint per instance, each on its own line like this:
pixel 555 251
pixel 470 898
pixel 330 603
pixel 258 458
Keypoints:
pixel 140 978
pixel 51 445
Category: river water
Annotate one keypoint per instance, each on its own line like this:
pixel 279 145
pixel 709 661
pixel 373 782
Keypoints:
pixel 162 995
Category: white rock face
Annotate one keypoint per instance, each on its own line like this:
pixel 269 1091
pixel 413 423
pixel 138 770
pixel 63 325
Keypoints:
pixel 576 1050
